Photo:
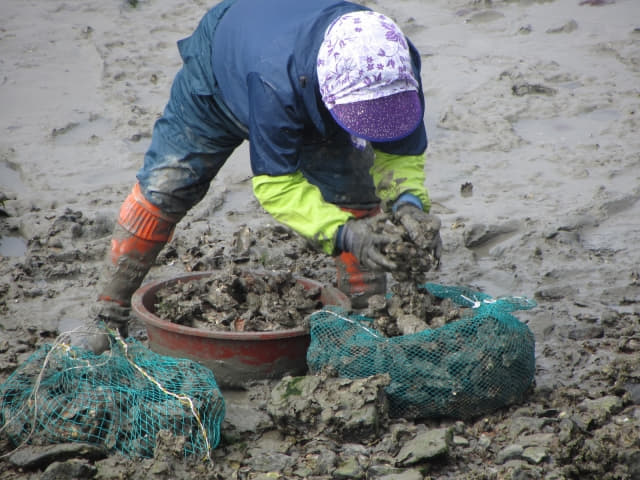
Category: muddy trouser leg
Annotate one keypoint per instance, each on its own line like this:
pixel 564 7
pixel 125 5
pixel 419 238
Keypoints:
pixel 190 142
pixel 357 282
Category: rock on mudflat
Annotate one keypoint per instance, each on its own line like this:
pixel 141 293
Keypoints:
pixel 32 457
pixel 595 412
pixel 404 475
pixel 425 446
pixel 73 468
pixel 479 234
pixel 340 408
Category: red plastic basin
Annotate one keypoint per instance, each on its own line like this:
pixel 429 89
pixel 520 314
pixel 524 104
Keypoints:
pixel 234 357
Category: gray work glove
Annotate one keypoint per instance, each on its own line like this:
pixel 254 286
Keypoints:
pixel 357 236
pixel 423 229
pixel 94 335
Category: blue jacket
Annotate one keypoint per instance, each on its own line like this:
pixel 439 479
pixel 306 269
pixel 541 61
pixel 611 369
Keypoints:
pixel 265 64
pixel 249 72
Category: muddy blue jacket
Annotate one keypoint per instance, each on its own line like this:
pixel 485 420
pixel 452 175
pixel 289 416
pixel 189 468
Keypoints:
pixel 265 65
pixel 249 73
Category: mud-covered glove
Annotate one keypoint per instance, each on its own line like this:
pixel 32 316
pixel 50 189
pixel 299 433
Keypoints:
pixel 357 236
pixel 423 228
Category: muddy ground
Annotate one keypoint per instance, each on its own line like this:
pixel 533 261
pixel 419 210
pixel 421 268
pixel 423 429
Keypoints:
pixel 533 166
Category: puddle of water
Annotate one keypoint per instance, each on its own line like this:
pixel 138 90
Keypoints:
pixel 569 131
pixel 12 246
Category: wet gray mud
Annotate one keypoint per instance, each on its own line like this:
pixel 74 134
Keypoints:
pixel 533 167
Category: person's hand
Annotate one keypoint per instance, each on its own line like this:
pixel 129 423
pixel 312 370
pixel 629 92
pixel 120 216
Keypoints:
pixel 358 237
pixel 423 229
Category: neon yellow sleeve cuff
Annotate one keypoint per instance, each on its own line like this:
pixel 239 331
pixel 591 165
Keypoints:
pixel 293 201
pixel 394 175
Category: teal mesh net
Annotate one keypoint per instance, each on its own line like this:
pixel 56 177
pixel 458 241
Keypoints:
pixel 119 400
pixel 463 369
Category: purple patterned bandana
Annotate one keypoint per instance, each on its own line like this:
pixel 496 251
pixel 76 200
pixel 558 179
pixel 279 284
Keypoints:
pixel 366 77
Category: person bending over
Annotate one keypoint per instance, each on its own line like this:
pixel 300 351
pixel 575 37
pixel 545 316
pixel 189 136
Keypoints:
pixel 328 94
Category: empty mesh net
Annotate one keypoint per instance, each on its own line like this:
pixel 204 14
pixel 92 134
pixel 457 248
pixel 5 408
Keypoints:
pixel 463 369
pixel 119 400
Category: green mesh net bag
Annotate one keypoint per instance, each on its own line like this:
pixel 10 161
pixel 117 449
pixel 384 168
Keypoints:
pixel 119 400
pixel 463 369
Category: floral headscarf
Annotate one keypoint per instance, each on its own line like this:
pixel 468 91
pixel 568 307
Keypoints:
pixel 366 77
pixel 364 56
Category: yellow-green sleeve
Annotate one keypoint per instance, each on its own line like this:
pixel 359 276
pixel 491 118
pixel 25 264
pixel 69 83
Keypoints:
pixel 394 175
pixel 293 201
